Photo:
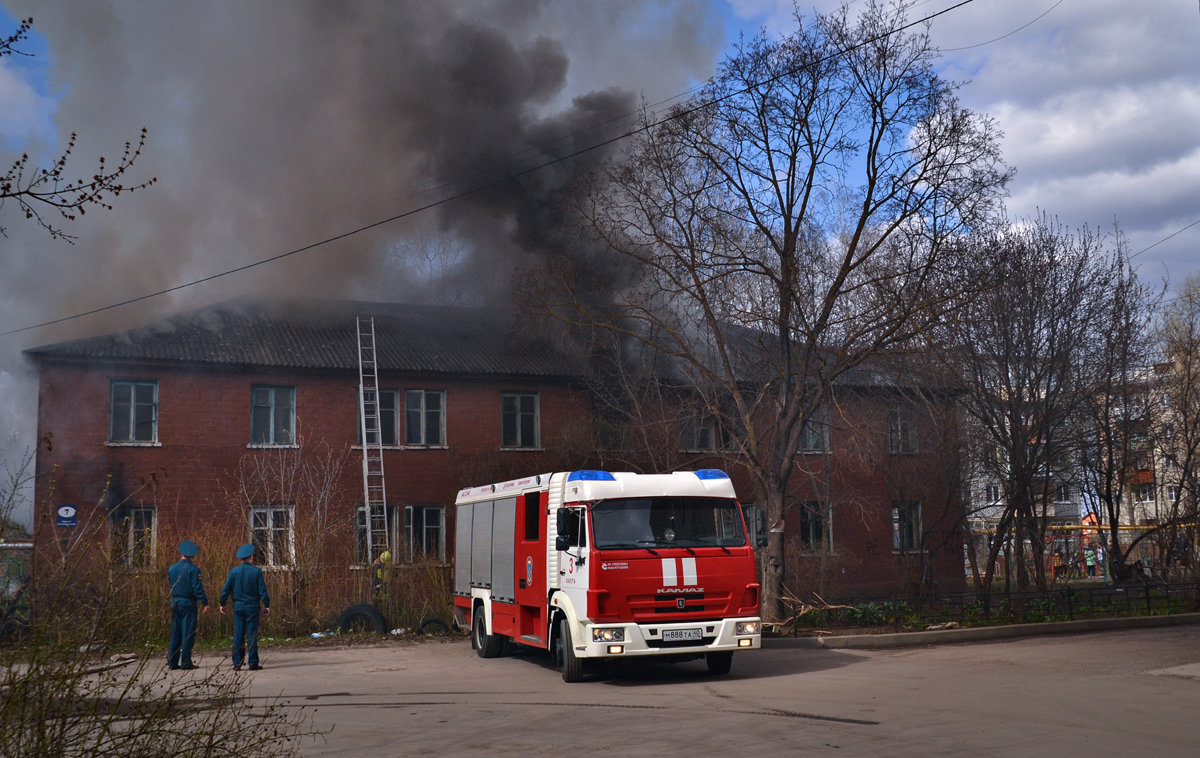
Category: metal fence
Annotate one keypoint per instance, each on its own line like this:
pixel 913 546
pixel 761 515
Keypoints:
pixel 969 609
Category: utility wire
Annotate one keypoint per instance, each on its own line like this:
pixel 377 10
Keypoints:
pixel 482 187
pixel 1003 36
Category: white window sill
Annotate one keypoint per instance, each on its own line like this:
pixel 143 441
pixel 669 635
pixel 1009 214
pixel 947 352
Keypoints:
pixel 133 444
pixel 260 446
pixel 522 449
pixel 406 447
pixel 814 452
pixel 908 552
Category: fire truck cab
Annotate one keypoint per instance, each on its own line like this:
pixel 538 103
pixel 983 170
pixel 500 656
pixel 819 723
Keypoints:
pixel 600 566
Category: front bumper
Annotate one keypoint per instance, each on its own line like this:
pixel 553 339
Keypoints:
pixel 647 639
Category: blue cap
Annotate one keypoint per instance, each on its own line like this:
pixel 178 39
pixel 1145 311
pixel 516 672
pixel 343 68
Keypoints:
pixel 188 549
pixel 245 551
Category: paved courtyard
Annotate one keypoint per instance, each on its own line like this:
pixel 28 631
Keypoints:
pixel 1127 693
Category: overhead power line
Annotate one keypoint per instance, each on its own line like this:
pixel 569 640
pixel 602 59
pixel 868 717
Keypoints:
pixel 481 187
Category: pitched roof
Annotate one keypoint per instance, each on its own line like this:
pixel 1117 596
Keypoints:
pixel 320 334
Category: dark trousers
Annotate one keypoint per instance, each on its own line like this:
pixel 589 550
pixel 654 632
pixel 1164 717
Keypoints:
pixel 183 632
pixel 245 636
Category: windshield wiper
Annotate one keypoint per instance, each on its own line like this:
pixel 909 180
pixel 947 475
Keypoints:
pixel 712 544
pixel 625 546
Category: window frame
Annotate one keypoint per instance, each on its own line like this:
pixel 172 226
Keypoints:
pixel 915 532
pixel 409 525
pixel 274 406
pixel 824 521
pixel 902 433
pixel 360 532
pixel 394 411
pixel 423 416
pixel 133 384
pixel 816 429
pixel 1141 490
pixel 122 522
pixel 266 558
pixel 519 443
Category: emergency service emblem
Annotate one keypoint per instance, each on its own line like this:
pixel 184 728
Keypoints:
pixel 680 603
pixel 529 569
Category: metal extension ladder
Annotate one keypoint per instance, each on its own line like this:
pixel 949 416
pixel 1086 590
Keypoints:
pixel 374 491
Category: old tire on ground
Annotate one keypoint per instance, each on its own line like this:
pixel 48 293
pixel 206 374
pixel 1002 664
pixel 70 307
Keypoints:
pixel 433 625
pixel 572 665
pixel 719 663
pixel 357 617
pixel 487 645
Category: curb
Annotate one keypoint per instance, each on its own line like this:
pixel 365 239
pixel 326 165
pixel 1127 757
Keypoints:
pixel 977 634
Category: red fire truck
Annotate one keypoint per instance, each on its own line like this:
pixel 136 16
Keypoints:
pixel 600 566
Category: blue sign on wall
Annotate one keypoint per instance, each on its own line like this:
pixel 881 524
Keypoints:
pixel 66 515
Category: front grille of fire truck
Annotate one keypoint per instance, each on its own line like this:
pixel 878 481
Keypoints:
pixel 661 644
pixel 693 603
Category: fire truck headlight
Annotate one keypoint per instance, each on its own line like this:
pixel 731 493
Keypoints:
pixel 608 635
pixel 747 627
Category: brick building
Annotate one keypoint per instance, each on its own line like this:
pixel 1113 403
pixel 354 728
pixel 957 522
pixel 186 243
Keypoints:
pixel 243 416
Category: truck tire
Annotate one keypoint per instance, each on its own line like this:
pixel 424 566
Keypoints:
pixel 572 665
pixel 354 617
pixel 487 645
pixel 433 625
pixel 719 663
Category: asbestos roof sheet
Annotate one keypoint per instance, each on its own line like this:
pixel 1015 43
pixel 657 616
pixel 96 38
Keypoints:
pixel 295 333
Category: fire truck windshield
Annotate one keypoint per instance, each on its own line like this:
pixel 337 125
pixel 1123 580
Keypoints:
pixel 665 522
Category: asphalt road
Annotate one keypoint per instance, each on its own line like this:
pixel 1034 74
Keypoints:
pixel 1127 693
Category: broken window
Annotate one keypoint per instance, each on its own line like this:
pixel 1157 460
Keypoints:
pixel 906 526
pixel 133 537
pixel 272 535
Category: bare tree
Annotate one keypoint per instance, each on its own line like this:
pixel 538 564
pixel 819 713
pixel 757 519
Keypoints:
pixel 1179 417
pixel 1021 352
pixel 1119 410
pixel 39 190
pixel 790 222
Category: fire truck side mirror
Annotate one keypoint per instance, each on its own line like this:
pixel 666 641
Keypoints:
pixel 562 543
pixel 568 528
pixel 760 527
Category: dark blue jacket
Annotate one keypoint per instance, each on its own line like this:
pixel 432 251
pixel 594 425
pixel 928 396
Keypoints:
pixel 247 587
pixel 185 582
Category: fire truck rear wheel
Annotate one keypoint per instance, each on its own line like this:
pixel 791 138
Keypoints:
pixel 487 645
pixel 572 665
pixel 719 663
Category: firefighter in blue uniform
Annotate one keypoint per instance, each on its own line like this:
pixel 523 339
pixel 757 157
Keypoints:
pixel 186 590
pixel 247 587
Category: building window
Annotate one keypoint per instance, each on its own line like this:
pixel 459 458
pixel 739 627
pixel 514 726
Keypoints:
pixel 519 420
pixel 906 526
pixel 814 437
pixel 1144 493
pixel 133 411
pixel 424 527
pixel 133 537
pixel 1172 494
pixel 1062 493
pixel 815 527
pixel 272 535
pixel 389 417
pixel 272 415
pixel 902 438
pixel 360 534
pixel 425 419
pixel 993 493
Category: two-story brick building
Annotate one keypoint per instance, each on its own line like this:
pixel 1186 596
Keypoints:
pixel 243 417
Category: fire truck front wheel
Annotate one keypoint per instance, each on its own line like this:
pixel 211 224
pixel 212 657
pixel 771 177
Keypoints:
pixel 487 645
pixel 719 663
pixel 572 665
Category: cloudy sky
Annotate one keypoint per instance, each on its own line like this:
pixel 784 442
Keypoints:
pixel 276 124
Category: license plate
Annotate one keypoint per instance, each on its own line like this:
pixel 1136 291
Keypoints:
pixel 674 635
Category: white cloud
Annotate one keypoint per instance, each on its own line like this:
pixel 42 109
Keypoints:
pixel 26 115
